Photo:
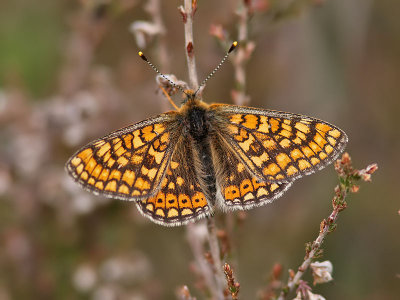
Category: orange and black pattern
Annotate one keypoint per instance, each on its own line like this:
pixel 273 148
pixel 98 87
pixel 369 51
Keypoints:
pixel 129 163
pixel 278 146
pixel 180 198
pixel 180 166
pixel 239 188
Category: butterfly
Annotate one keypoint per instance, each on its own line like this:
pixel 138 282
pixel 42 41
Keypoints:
pixel 182 165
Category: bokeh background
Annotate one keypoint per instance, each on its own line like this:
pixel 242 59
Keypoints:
pixel 69 73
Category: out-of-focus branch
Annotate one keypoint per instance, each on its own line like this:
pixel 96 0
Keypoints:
pixel 187 12
pixel 144 30
pixel 243 54
pixel 89 27
pixel 153 7
pixel 215 252
pixel 347 178
pixel 196 235
pixel 183 293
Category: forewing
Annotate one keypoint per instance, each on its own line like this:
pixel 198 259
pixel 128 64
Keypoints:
pixel 130 163
pixel 180 199
pixel 278 146
pixel 239 188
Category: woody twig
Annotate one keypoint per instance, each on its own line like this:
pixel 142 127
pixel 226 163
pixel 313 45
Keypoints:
pixel 347 184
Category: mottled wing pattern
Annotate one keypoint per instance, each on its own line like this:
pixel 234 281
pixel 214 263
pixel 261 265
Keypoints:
pixel 129 163
pixel 278 146
pixel 180 199
pixel 238 187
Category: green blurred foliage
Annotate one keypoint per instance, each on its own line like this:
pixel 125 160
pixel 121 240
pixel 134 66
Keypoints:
pixel 30 49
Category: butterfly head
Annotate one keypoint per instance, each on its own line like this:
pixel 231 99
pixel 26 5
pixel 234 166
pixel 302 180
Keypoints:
pixel 191 96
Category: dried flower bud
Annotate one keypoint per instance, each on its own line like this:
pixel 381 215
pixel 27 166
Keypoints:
pixel 337 166
pixel 84 278
pixel 183 13
pixel 167 85
pixel 338 191
pixel 227 269
pixel 183 293
pixel 346 160
pixel 276 271
pixel 144 31
pixel 261 5
pixel 366 177
pixel 249 49
pixel 308 296
pixel 322 271
pixel 190 49
pixel 366 173
pixel 233 286
pixel 371 168
pixel 218 31
pixel 303 289
pixel 209 258
pixel 194 7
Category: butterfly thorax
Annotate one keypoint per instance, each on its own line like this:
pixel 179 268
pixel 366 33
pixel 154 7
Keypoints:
pixel 194 118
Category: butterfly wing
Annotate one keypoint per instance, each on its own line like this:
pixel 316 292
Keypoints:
pixel 278 146
pixel 130 163
pixel 239 188
pixel 180 199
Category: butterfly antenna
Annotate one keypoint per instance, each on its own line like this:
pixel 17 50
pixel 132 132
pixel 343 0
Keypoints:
pixel 233 47
pixel 159 73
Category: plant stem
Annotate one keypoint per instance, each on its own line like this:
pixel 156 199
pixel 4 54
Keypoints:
pixel 218 287
pixel 153 7
pixel 241 57
pixel 189 9
pixel 347 178
pixel 215 253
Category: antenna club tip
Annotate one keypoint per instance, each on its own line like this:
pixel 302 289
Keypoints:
pixel 142 55
pixel 233 46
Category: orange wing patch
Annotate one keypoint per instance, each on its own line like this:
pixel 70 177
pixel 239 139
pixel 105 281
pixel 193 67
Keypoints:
pixel 239 188
pixel 277 146
pixel 180 199
pixel 242 193
pixel 127 164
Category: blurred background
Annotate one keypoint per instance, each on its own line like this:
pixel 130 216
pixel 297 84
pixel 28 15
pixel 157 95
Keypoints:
pixel 69 73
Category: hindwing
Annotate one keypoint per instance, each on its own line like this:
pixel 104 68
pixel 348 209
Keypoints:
pixel 239 188
pixel 180 199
